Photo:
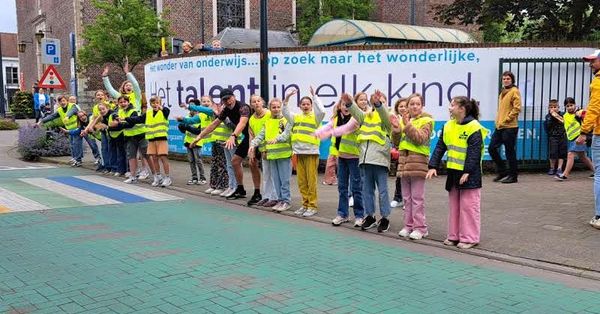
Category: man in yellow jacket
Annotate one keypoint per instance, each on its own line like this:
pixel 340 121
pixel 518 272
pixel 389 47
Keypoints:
pixel 507 128
pixel 591 124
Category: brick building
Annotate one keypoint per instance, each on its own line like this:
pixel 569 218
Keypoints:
pixel 59 18
pixel 10 65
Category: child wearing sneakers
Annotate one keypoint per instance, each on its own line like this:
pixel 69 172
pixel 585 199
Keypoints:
pixel 278 151
pixel 400 109
pixel 462 138
pixel 412 166
pixel 306 147
pixel 157 127
pixel 193 151
pixel 572 122
pixel 374 158
pixel 557 138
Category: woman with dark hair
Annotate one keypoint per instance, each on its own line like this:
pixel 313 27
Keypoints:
pixel 507 128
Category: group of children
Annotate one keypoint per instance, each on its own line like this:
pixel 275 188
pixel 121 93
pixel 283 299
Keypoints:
pixel 563 129
pixel 133 138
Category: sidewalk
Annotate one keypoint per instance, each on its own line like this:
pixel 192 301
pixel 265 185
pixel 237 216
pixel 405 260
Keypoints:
pixel 537 219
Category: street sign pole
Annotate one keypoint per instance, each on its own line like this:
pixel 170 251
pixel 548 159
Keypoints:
pixel 264 51
pixel 73 65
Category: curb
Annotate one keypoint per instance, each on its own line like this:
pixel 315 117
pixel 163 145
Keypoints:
pixel 520 261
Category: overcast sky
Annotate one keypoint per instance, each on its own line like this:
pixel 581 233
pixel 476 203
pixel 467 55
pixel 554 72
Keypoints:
pixel 8 16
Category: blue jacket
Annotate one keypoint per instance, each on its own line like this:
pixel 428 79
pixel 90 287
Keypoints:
pixel 36 101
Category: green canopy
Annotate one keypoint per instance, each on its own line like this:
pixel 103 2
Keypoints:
pixel 357 32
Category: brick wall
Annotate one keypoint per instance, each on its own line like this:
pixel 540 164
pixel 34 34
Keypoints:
pixel 279 14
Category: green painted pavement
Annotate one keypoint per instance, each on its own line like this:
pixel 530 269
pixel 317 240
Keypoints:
pixel 187 256
pixel 40 173
pixel 40 195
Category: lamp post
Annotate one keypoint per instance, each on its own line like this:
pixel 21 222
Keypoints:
pixel 264 51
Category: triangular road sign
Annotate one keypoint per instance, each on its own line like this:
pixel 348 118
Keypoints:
pixel 51 79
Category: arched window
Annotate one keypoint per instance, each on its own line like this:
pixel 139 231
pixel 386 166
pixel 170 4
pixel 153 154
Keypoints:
pixel 230 13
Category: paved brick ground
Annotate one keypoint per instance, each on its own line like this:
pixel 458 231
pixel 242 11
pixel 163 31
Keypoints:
pixel 198 257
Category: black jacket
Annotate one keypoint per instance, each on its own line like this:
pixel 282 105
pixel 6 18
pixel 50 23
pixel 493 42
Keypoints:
pixel 472 161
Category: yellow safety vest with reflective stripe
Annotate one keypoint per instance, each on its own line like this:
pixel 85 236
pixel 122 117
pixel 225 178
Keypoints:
pixel 221 133
pixel 205 120
pixel 456 137
pixel 96 110
pixel 304 129
pixel 572 126
pixel 137 129
pixel 156 125
pixel 114 134
pixel 274 127
pixel 257 124
pixel 69 123
pixel 349 144
pixel 332 149
pixel 371 129
pixel 134 101
pixel 189 136
pixel 410 146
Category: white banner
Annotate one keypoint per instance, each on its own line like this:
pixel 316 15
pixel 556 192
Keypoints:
pixel 437 74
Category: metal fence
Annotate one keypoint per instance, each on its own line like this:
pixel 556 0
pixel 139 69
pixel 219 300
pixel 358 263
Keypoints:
pixel 539 81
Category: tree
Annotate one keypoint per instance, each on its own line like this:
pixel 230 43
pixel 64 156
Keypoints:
pixel 541 20
pixel 22 105
pixel 123 28
pixel 312 14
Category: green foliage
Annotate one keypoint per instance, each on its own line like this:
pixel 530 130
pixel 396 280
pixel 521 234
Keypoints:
pixel 7 124
pixel 542 20
pixel 314 13
pixel 124 28
pixel 21 105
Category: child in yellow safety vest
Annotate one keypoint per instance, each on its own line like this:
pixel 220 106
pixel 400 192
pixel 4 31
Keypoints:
pixel 305 146
pixel 278 151
pixel 344 131
pixel 412 166
pixel 256 123
pixel 65 117
pixel 101 98
pixel 572 121
pixel 191 129
pixel 156 128
pixel 462 138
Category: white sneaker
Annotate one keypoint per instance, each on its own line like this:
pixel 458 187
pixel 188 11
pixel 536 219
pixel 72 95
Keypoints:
pixel 217 192
pixel 351 201
pixel 117 174
pixel 310 212
pixel 358 222
pixel 338 220
pixel 192 182
pixel 404 233
pixel 131 180
pixel 97 161
pixel 227 192
pixel 595 223
pixel 417 235
pixel 300 211
pixel 166 182
pixel 284 206
pixel 144 175
pixel 395 204
pixel 277 206
pixel 128 174
pixel 202 182
pixel 209 190
pixel 72 160
pixel 157 180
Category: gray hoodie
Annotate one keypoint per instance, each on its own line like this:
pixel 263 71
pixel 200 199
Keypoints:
pixel 371 152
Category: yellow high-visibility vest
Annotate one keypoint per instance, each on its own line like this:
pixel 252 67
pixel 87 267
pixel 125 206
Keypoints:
pixel 189 136
pixel 115 134
pixel 156 125
pixel 71 122
pixel 572 126
pixel 456 137
pixel 136 129
pixel 274 127
pixel 371 129
pixel 205 120
pixel 304 129
pixel 413 147
pixel 257 124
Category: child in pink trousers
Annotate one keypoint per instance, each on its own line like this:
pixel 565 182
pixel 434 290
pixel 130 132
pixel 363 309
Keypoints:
pixel 462 139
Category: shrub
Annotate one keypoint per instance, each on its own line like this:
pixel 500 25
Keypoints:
pixel 21 105
pixel 7 124
pixel 36 142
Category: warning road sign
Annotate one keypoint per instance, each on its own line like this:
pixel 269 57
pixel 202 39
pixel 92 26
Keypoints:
pixel 51 79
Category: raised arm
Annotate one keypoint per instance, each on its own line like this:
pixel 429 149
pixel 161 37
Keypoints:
pixel 286 110
pixel 318 107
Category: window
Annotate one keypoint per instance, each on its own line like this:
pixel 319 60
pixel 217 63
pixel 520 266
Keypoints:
pixel 12 75
pixel 230 13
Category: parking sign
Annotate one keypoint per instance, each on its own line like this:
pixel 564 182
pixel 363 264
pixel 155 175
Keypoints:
pixel 50 51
